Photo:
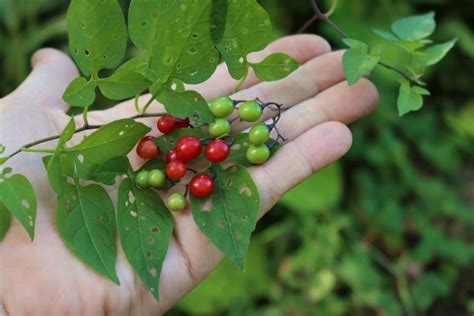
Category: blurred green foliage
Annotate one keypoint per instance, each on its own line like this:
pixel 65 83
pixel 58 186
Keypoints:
pixel 389 230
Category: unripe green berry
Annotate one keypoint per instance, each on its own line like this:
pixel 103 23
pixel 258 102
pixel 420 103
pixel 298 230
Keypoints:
pixel 219 128
pixel 142 179
pixel 258 154
pixel 259 134
pixel 176 202
pixel 250 111
pixel 156 178
pixel 222 107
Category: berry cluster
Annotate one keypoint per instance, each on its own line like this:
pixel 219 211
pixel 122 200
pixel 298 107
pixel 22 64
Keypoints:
pixel 216 149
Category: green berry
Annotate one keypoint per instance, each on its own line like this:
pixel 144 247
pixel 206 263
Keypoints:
pixel 259 134
pixel 142 179
pixel 250 111
pixel 222 107
pixel 176 202
pixel 157 178
pixel 219 128
pixel 258 154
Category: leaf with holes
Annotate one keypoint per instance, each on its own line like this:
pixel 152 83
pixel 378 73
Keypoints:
pixel 112 140
pixel 409 99
pixel 5 221
pixel 240 145
pixel 248 29
pixel 145 227
pixel 85 219
pixel 229 216
pixel 18 196
pixel 80 93
pixel 128 81
pixel 110 170
pixel 178 37
pixel 434 54
pixel 275 67
pixel 169 141
pixel 358 64
pixel 415 28
pixel 186 104
pixel 97 34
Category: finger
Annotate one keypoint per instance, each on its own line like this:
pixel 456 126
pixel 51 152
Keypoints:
pixel 302 47
pixel 341 103
pixel 310 152
pixel 52 72
pixel 314 77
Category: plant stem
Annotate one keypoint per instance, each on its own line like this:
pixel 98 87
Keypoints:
pixel 39 151
pixel 319 15
pixel 87 127
pixel 148 104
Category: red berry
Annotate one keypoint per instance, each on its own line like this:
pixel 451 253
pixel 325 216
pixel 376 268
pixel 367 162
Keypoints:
pixel 217 151
pixel 147 149
pixel 183 123
pixel 167 124
pixel 201 186
pixel 171 155
pixel 149 137
pixel 176 170
pixel 188 148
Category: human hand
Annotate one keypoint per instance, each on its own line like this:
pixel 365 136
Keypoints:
pixel 44 278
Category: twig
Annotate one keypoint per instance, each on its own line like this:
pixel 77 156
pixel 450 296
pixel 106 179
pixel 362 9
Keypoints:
pixel 26 148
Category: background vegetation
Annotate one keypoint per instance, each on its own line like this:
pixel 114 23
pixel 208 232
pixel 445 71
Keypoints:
pixel 389 230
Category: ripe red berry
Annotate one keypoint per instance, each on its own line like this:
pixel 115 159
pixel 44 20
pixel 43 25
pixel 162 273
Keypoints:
pixel 183 123
pixel 167 124
pixel 171 155
pixel 176 170
pixel 149 137
pixel 188 148
pixel 217 151
pixel 147 149
pixel 201 186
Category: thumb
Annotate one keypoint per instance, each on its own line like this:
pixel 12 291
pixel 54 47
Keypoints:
pixel 52 72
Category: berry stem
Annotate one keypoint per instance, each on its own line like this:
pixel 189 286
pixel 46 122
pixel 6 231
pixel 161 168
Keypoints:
pixel 86 127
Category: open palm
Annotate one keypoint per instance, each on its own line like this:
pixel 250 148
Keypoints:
pixel 44 278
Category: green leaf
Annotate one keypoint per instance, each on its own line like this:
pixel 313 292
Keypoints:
pixel 177 36
pixel 145 227
pixel 358 64
pixel 169 141
pixel 275 67
pixel 186 104
pixel 18 196
pixel 317 194
pixel 110 170
pixel 436 53
pixel 408 99
pixel 248 29
pixel 420 90
pixel 86 221
pixel 115 139
pixel 416 27
pixel 229 216
pixel 5 221
pixel 80 93
pixel 238 150
pixel 67 134
pixel 353 43
pixel 97 34
pixel 126 82
pixel 386 35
